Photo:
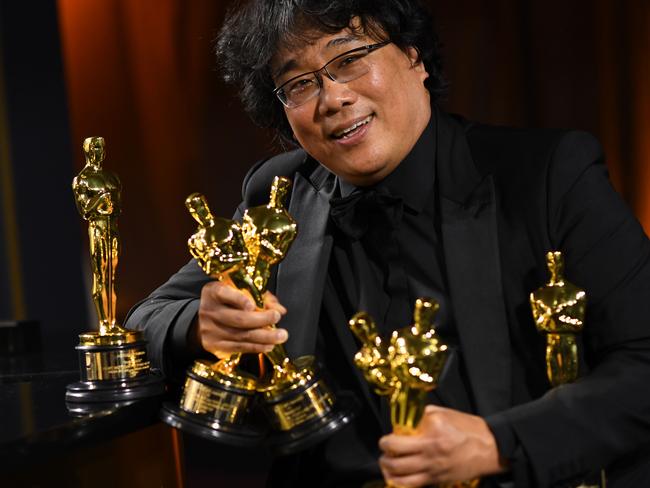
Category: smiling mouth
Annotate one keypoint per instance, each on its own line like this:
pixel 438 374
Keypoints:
pixel 353 129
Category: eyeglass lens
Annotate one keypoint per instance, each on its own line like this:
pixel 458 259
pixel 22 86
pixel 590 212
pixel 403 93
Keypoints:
pixel 342 69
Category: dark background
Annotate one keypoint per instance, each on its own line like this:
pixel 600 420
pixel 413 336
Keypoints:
pixel 141 74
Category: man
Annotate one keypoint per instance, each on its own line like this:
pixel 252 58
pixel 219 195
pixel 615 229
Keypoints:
pixel 394 200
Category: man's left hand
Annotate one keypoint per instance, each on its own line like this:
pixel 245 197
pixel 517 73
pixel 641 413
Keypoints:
pixel 447 446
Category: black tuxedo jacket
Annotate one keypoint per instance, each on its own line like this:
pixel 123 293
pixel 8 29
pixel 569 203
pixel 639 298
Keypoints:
pixel 506 196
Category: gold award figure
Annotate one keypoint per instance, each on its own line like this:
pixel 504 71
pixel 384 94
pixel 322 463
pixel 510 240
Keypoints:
pixel 372 358
pixel 114 365
pixel 405 368
pixel 297 402
pixel 269 231
pixel 243 255
pixel 97 194
pixel 219 248
pixel 217 397
pixel 559 311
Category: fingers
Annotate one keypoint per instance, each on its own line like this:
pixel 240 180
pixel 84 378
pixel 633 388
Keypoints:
pixel 431 409
pixel 271 302
pixel 402 466
pixel 447 445
pixel 223 294
pixel 261 335
pixel 401 445
pixel 232 317
pixel 407 462
pixel 229 322
pixel 406 471
pixel 223 349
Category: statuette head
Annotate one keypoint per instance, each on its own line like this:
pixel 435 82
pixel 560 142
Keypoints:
pixel 94 150
pixel 218 244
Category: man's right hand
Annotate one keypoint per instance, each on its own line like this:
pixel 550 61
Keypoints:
pixel 228 321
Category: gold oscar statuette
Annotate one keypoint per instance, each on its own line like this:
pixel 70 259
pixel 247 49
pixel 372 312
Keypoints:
pixel 113 360
pixel 405 368
pixel 218 397
pixel 301 409
pixel 559 312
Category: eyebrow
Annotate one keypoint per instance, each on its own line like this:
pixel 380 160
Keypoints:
pixel 337 41
pixel 292 63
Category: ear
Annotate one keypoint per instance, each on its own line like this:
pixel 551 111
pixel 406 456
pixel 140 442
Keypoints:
pixel 416 63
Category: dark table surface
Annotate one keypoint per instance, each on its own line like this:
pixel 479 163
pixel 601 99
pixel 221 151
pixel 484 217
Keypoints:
pixel 36 423
pixel 35 420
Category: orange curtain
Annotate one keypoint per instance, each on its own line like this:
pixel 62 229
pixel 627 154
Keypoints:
pixel 639 105
pixel 550 63
pixel 141 74
pixel 137 74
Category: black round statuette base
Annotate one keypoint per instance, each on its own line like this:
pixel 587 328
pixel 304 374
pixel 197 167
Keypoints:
pixel 310 433
pixel 217 406
pixel 112 391
pixel 114 372
pixel 207 427
pixel 84 409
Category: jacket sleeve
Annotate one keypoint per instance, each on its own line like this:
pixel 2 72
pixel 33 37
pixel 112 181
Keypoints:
pixel 575 429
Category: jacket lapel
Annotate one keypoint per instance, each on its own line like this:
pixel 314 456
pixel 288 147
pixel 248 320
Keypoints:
pixel 470 242
pixel 350 347
pixel 305 266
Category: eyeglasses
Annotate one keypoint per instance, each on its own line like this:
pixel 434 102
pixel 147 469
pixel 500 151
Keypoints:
pixel 343 68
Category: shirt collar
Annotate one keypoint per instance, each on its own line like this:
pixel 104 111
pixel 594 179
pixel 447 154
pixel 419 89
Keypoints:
pixel 413 178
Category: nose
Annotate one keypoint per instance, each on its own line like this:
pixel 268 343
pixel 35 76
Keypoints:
pixel 334 96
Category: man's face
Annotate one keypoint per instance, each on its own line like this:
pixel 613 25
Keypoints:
pixel 391 98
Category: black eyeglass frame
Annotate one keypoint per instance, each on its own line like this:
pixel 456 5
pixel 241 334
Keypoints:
pixel 370 48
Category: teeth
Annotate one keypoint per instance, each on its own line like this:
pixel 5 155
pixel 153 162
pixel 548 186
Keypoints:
pixel 350 129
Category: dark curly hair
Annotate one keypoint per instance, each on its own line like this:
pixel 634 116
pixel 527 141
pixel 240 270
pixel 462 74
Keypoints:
pixel 255 30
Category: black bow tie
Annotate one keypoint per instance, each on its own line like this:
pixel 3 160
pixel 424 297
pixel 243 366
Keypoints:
pixel 372 209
